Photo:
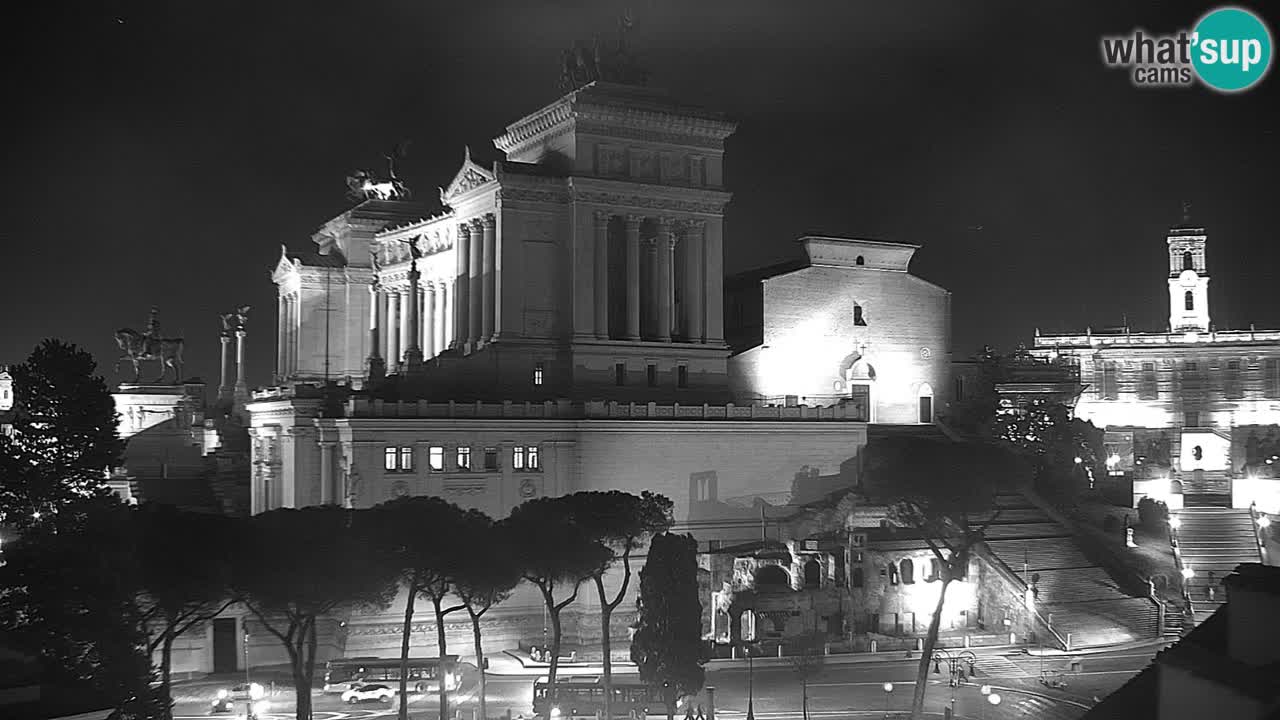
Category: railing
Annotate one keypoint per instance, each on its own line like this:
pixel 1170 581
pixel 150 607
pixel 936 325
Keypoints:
pixel 358 407
pixel 1012 577
pixel 1043 342
pixel 1189 616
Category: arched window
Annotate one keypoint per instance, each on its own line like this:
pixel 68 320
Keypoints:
pixel 772 577
pixel 858 578
pixel 935 570
pixel 857 316
pixel 893 574
pixel 859 261
pixel 908 572
pixel 1188 261
pixel 1189 300
pixel 812 574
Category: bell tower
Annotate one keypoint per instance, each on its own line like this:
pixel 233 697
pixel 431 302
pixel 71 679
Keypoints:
pixel 1188 278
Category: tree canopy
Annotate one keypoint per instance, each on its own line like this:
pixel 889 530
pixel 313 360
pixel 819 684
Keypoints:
pixel 667 648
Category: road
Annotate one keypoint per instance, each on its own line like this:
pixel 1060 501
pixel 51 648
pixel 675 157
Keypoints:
pixel 842 690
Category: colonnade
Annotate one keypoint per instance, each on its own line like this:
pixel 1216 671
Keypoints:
pixel 391 315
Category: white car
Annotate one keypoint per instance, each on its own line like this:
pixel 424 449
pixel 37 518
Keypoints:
pixel 380 693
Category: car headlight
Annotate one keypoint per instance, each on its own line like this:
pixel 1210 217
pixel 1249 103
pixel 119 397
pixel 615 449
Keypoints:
pixel 222 694
pixel 261 707
pixel 555 712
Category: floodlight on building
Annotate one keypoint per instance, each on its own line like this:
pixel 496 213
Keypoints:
pixel 1113 460
pixel 994 698
pixel 256 691
pixel 555 712
pixel 261 707
pixel 1188 573
pixel 1078 460
pixel 985 689
pixel 1174 522
pixel 888 687
pixel 1264 522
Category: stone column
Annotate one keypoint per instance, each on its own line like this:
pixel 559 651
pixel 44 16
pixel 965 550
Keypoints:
pixel 633 276
pixel 461 301
pixel 376 367
pixel 242 389
pixel 713 258
pixel 412 320
pixel 602 274
pixel 429 320
pixel 282 310
pixel 393 328
pixel 291 332
pixel 694 287
pixel 224 387
pixel 327 493
pixel 490 229
pixel 475 281
pixel 665 244
pixel 444 324
pixel 402 322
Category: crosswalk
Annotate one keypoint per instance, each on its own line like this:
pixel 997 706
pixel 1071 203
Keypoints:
pixel 998 666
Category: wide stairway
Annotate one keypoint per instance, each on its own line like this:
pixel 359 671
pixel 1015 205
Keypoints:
pixel 1212 542
pixel 1077 596
pixel 1205 488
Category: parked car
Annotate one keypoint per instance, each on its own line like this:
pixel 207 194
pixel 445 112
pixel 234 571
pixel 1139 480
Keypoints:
pixel 236 697
pixel 380 693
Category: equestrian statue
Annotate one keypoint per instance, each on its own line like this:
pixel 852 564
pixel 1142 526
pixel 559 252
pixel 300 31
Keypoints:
pixel 136 347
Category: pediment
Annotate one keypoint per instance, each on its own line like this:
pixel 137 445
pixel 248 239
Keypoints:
pixel 469 177
pixel 284 266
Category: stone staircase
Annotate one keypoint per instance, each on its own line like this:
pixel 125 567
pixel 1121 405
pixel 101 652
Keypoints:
pixel 1212 541
pixel 1205 488
pixel 1076 595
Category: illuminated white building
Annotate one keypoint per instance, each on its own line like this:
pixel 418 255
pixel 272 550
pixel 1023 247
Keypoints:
pixel 563 329
pixel 1190 410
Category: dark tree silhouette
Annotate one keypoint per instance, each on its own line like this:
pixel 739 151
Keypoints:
pixel 481 585
pixel 64 435
pixel 420 536
pixel 620 522
pixel 668 647
pixel 553 553
pixel 68 595
pixel 295 567
pixel 185 566
pixel 945 491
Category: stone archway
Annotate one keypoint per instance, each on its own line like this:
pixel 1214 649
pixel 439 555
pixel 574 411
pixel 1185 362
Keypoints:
pixel 857 384
pixel 772 578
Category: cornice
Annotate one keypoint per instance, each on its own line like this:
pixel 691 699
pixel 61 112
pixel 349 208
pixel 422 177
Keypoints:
pixel 529 127
pixel 523 194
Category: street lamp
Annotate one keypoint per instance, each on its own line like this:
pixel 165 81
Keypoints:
pixel 1188 573
pixel 986 694
pixel 1264 522
pixel 1175 522
pixel 888 691
pixel 751 678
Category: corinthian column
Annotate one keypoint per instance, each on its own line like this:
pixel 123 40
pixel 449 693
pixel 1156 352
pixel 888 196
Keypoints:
pixel 444 323
pixel 242 389
pixel 282 311
pixel 602 274
pixel 429 320
pixel 489 224
pixel 694 286
pixel 224 387
pixel 462 283
pixel 413 321
pixel 665 244
pixel 393 328
pixel 475 282
pixel 633 276
pixel 376 368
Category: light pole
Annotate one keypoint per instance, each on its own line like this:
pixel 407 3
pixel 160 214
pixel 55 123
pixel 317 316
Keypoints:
pixel 751 681
pixel 888 692
pixel 986 695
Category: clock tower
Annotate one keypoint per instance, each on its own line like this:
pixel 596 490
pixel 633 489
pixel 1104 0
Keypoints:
pixel 1188 280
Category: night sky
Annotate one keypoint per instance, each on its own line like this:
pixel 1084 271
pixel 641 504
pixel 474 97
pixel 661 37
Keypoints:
pixel 160 152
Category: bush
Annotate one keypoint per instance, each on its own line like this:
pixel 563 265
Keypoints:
pixel 1152 513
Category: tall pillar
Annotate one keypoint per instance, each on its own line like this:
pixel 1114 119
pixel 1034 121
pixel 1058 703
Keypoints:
pixel 393 328
pixel 694 288
pixel 376 367
pixel 291 332
pixel 461 299
pixel 489 224
pixel 224 387
pixel 649 322
pixel 402 321
pixel 633 276
pixel 444 323
pixel 412 320
pixel 429 320
pixel 714 264
pixel 475 283
pixel 282 311
pixel 602 274
pixel 242 389
pixel 328 496
pixel 665 244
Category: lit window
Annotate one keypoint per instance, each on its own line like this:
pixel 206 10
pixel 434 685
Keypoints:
pixel 464 458
pixel 517 458
pixel 435 457
pixel 682 376
pixel 389 459
pixel 525 457
pixel 537 374
pixel 531 454
pixel 490 458
pixel 406 459
pixel 397 459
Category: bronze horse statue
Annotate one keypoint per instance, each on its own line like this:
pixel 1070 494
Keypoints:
pixel 137 347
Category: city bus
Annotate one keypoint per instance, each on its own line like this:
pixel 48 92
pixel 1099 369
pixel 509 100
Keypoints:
pixel 583 696
pixel 343 674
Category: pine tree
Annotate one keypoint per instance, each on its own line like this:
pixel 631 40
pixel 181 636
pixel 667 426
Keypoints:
pixel 668 647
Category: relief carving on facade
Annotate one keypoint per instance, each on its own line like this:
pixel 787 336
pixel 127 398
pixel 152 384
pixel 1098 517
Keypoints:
pixel 657 203
pixel 643 164
pixel 673 167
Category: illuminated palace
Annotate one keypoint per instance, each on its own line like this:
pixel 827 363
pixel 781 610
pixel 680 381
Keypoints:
pixel 560 325
pixel 1191 414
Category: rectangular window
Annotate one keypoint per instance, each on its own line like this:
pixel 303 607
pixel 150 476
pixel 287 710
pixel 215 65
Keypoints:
pixel 1231 385
pixel 1271 377
pixel 1191 419
pixel 532 459
pixel 1109 389
pixel 464 458
pixel 517 457
pixel 926 409
pixel 406 459
pixel 620 374
pixel 959 389
pixel 682 376
pixel 651 374
pixel 435 458
pixel 397 459
pixel 537 374
pixel 1147 386
pixel 490 458
pixel 525 457
pixel 389 456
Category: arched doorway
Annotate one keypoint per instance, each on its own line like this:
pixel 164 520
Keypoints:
pixel 859 379
pixel 812 574
pixel 772 578
pixel 924 401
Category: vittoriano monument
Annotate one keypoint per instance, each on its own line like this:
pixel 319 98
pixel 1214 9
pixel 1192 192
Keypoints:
pixel 136 347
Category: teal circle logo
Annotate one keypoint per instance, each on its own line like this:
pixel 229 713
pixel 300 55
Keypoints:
pixel 1231 49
